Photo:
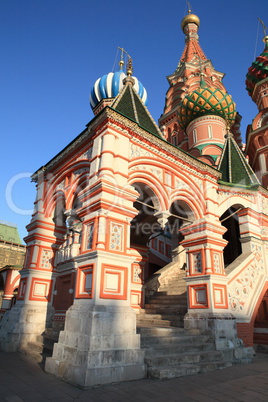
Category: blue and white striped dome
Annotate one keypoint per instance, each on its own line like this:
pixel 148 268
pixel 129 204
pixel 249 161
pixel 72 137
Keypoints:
pixel 110 85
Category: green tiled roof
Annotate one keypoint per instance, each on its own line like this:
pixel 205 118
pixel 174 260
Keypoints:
pixel 129 104
pixel 9 232
pixel 234 167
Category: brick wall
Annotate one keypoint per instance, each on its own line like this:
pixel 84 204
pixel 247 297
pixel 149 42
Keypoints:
pixel 245 332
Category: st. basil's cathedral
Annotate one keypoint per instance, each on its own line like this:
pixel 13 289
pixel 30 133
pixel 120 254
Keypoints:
pixel 147 252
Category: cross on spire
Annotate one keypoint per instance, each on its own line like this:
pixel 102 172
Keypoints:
pixel 264 27
pixel 189 7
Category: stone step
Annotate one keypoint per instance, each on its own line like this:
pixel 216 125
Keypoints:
pixel 148 322
pixel 180 284
pixel 164 303
pixel 184 358
pixel 163 309
pixel 172 292
pixel 37 351
pixel 36 347
pixel 47 342
pixel 159 351
pixel 158 316
pixel 168 372
pixel 165 332
pixel 52 333
pixel 176 298
pixel 149 341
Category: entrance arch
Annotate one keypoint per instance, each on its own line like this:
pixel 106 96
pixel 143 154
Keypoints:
pixel 180 213
pixel 146 233
pixel 230 221
pixel 144 224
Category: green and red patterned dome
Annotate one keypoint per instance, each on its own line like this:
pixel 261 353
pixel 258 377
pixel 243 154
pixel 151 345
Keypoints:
pixel 206 101
pixel 258 70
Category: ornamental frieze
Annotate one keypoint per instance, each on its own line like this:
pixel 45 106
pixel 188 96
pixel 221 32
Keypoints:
pixel 242 289
pixel 136 151
pixel 151 169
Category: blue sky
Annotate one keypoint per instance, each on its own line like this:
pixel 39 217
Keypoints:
pixel 52 51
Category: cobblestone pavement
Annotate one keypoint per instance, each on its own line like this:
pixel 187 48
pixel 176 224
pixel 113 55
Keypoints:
pixel 22 379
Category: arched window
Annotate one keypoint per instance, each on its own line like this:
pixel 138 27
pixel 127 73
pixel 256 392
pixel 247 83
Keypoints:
pixel 194 136
pixel 210 132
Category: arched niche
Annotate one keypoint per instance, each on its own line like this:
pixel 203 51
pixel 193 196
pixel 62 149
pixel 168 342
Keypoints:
pixel 261 141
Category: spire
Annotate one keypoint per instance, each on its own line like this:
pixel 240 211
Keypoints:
pixel 189 26
pixel 234 166
pixel 129 79
pixel 129 104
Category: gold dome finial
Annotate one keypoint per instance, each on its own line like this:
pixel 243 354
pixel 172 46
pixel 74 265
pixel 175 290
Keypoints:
pixel 190 18
pixel 129 79
pixel 121 62
pixel 129 67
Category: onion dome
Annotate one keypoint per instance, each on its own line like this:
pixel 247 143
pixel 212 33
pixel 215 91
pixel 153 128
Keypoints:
pixel 206 101
pixel 258 70
pixel 188 19
pixel 109 86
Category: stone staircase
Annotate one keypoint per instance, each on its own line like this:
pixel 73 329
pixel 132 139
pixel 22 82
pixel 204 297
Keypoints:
pixel 176 352
pixel 165 299
pixel 171 350
pixel 42 347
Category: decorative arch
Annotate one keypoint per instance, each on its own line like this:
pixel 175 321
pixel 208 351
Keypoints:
pixel 194 205
pixel 77 186
pixel 182 207
pixel 66 182
pixel 234 201
pixel 160 194
pixel 15 282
